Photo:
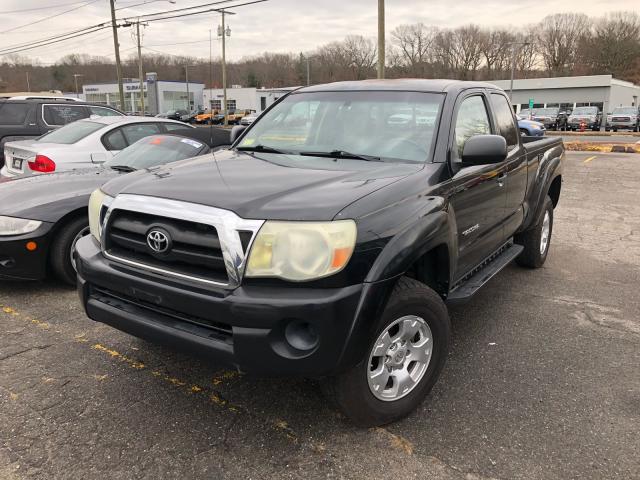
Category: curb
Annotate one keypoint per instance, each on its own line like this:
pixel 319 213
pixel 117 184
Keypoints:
pixel 601 147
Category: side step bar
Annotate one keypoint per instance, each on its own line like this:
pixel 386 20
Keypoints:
pixel 478 277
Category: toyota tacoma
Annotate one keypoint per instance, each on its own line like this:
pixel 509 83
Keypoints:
pixel 329 239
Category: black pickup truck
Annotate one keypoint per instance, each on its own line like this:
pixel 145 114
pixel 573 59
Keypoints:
pixel 328 240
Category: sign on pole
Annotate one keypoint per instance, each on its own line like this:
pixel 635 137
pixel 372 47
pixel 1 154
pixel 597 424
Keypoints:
pixel 530 103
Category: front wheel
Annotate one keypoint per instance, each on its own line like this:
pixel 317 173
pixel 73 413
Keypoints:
pixel 63 249
pixel 404 359
pixel 537 240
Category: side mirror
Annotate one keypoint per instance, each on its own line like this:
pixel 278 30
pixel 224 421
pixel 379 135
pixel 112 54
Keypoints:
pixel 484 150
pixel 98 157
pixel 236 132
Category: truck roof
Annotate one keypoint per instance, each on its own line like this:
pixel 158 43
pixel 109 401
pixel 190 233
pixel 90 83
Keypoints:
pixel 402 84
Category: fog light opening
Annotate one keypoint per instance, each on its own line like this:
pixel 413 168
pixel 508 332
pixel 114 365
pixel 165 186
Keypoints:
pixel 301 335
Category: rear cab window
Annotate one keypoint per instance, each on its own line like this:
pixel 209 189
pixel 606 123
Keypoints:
pixel 505 120
pixel 57 115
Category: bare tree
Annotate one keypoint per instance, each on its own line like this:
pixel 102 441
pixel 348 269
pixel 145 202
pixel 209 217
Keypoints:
pixel 416 47
pixel 495 48
pixel 559 38
pixel 362 56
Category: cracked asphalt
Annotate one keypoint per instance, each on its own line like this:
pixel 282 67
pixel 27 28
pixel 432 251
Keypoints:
pixel 542 382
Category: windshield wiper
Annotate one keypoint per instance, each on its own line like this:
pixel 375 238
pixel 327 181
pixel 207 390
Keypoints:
pixel 260 148
pixel 342 154
pixel 123 168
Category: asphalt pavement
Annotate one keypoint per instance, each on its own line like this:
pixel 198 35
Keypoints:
pixel 542 381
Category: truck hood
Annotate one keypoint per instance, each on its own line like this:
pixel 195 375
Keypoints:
pixel 50 197
pixel 265 186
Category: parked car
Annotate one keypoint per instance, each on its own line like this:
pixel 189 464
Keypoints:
pixel 42 217
pixel 328 249
pixel 85 143
pixel 530 128
pixel 30 117
pixel 591 117
pixel 179 115
pixel 249 119
pixel 623 118
pixel 552 118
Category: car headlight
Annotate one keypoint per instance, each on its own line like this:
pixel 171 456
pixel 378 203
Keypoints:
pixel 300 251
pixel 96 201
pixel 17 226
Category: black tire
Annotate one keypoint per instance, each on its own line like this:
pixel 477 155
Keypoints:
pixel 350 390
pixel 532 256
pixel 523 133
pixel 60 252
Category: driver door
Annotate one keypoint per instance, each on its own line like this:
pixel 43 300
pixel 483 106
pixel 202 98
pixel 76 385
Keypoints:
pixel 478 192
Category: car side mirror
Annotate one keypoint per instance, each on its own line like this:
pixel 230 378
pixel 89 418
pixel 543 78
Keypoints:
pixel 98 157
pixel 484 150
pixel 236 132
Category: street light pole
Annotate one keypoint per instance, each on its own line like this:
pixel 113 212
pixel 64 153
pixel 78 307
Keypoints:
pixel 116 46
pixel 186 77
pixel 381 39
pixel 224 73
pixel 75 79
pixel 513 65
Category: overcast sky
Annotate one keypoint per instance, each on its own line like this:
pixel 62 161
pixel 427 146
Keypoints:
pixel 277 25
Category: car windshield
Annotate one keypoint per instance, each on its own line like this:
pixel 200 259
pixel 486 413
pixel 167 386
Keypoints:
pixel 389 126
pixel 586 111
pixel 156 150
pixel 547 111
pixel 71 133
pixel 625 111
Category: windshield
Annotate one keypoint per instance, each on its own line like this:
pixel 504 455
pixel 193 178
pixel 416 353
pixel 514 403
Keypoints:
pixel 157 150
pixel 585 111
pixel 394 126
pixel 625 111
pixel 72 132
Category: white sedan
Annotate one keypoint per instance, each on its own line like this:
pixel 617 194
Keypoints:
pixel 81 144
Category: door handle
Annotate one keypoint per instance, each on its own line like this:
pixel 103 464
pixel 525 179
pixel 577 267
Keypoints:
pixel 501 178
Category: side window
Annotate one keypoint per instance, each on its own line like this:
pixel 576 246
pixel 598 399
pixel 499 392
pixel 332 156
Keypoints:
pixel 114 140
pixel 505 122
pixel 135 132
pixel 472 119
pixel 13 113
pixel 104 112
pixel 63 114
pixel 172 127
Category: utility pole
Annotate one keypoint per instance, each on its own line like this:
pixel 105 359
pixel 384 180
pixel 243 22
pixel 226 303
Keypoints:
pixel 381 39
pixel 28 86
pixel 116 45
pixel 308 71
pixel 224 73
pixel 140 73
pixel 75 79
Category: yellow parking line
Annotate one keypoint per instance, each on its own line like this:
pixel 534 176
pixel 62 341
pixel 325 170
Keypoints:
pixel 590 158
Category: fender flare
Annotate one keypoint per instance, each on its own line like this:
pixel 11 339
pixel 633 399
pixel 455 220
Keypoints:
pixel 548 171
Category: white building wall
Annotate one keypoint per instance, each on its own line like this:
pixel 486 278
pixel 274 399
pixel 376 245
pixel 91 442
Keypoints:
pixel 242 98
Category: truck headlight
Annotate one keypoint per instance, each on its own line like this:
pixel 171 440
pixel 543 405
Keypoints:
pixel 17 226
pixel 96 201
pixel 300 251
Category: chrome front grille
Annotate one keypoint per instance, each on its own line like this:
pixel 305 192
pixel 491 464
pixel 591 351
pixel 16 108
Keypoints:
pixel 207 245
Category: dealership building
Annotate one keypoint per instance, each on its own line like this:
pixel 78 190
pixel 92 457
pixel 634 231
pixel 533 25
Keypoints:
pixel 159 95
pixel 239 98
pixel 602 91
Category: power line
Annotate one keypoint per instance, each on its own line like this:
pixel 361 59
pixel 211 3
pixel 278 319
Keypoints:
pixel 207 11
pixel 31 47
pixel 48 7
pixel 185 8
pixel 49 17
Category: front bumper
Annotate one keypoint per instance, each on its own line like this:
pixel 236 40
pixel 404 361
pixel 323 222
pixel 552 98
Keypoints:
pixel 589 125
pixel 622 125
pixel 260 329
pixel 17 262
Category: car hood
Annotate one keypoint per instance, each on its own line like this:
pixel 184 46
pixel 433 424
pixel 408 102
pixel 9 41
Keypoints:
pixel 265 186
pixel 50 197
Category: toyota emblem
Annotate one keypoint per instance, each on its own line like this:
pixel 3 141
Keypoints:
pixel 158 241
